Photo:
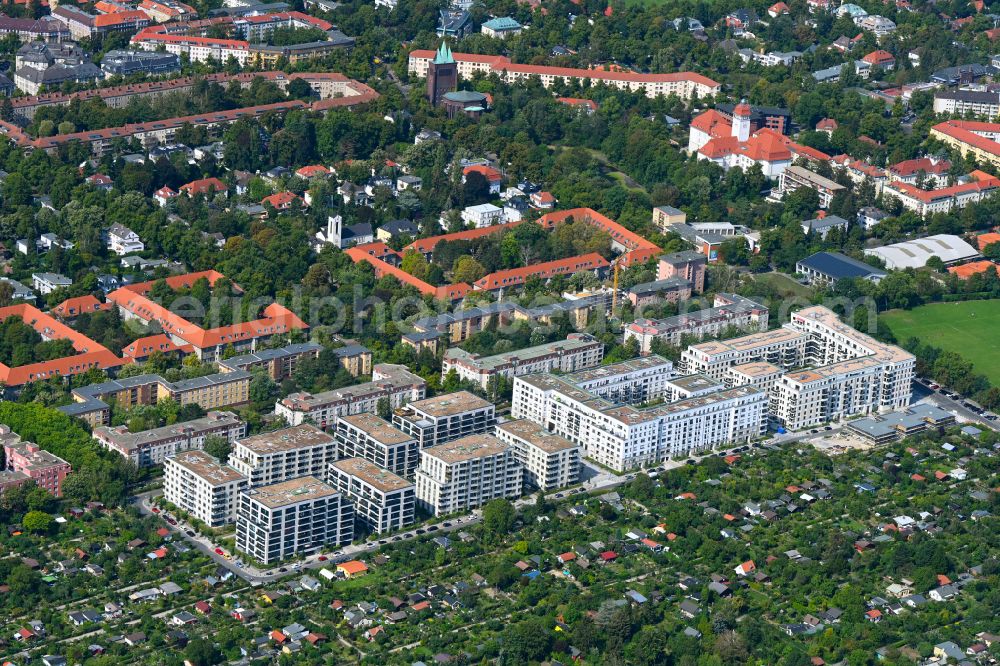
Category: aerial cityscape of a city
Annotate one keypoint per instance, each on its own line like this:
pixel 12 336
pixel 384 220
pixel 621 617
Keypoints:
pixel 499 333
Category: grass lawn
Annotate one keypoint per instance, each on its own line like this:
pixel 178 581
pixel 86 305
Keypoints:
pixel 788 286
pixel 968 328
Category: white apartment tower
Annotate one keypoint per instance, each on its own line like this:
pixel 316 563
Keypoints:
pixel 299 516
pixel 443 418
pixel 195 482
pixel 372 438
pixel 549 461
pixel 284 454
pixel 383 501
pixel 466 473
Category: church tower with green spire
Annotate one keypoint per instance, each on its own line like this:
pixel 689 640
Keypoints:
pixel 442 75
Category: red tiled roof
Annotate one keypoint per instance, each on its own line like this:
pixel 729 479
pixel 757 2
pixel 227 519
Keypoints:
pixel 281 200
pixel 639 249
pixel 143 347
pixel 312 171
pixel 352 567
pixel 965 131
pixel 489 173
pixel 879 57
pixel 72 307
pixel 276 318
pixel 108 7
pixel 713 123
pixel 232 44
pixel 500 63
pixel 90 354
pixel 577 101
pixel 427 245
pixel 120 18
pixel 827 124
pixel 516 276
pixel 928 196
pixel 449 292
pixel 805 151
pixel 203 186
pixel 925 164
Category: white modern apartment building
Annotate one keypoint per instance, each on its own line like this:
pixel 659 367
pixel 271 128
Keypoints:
pixel 466 473
pixel 373 438
pixel 783 347
pixel 299 516
pixel 805 398
pixel 272 457
pixel 968 102
pixel 577 352
pixel 624 437
pixel 383 501
pixel 443 418
pixel 728 311
pixel 629 382
pixel 549 460
pixel 482 215
pixel 815 368
pixel 761 374
pixel 152 447
pixel 390 381
pixel 844 354
pixel 197 49
pixel 197 483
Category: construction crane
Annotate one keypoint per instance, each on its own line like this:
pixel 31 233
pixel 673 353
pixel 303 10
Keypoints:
pixel 614 286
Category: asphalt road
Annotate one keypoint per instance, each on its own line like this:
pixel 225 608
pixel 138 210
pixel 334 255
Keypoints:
pixel 954 405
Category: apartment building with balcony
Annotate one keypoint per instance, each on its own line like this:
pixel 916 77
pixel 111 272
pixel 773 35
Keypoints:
pixel 295 517
pixel 373 438
pixel 383 501
pixel 549 461
pixel 623 436
pixel 393 382
pixel 288 453
pixel 154 446
pixel 783 347
pixel 444 418
pixel 577 352
pixel 196 482
pixel 728 311
pixel 816 369
pixel 27 461
pixel 466 473
pixel 628 382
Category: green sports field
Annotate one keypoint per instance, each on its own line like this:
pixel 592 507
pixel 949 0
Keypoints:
pixel 970 328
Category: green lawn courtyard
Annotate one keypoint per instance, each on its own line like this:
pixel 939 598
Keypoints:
pixel 970 328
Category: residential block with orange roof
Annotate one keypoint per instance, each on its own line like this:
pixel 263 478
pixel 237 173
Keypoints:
pixel 134 303
pixel 89 354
